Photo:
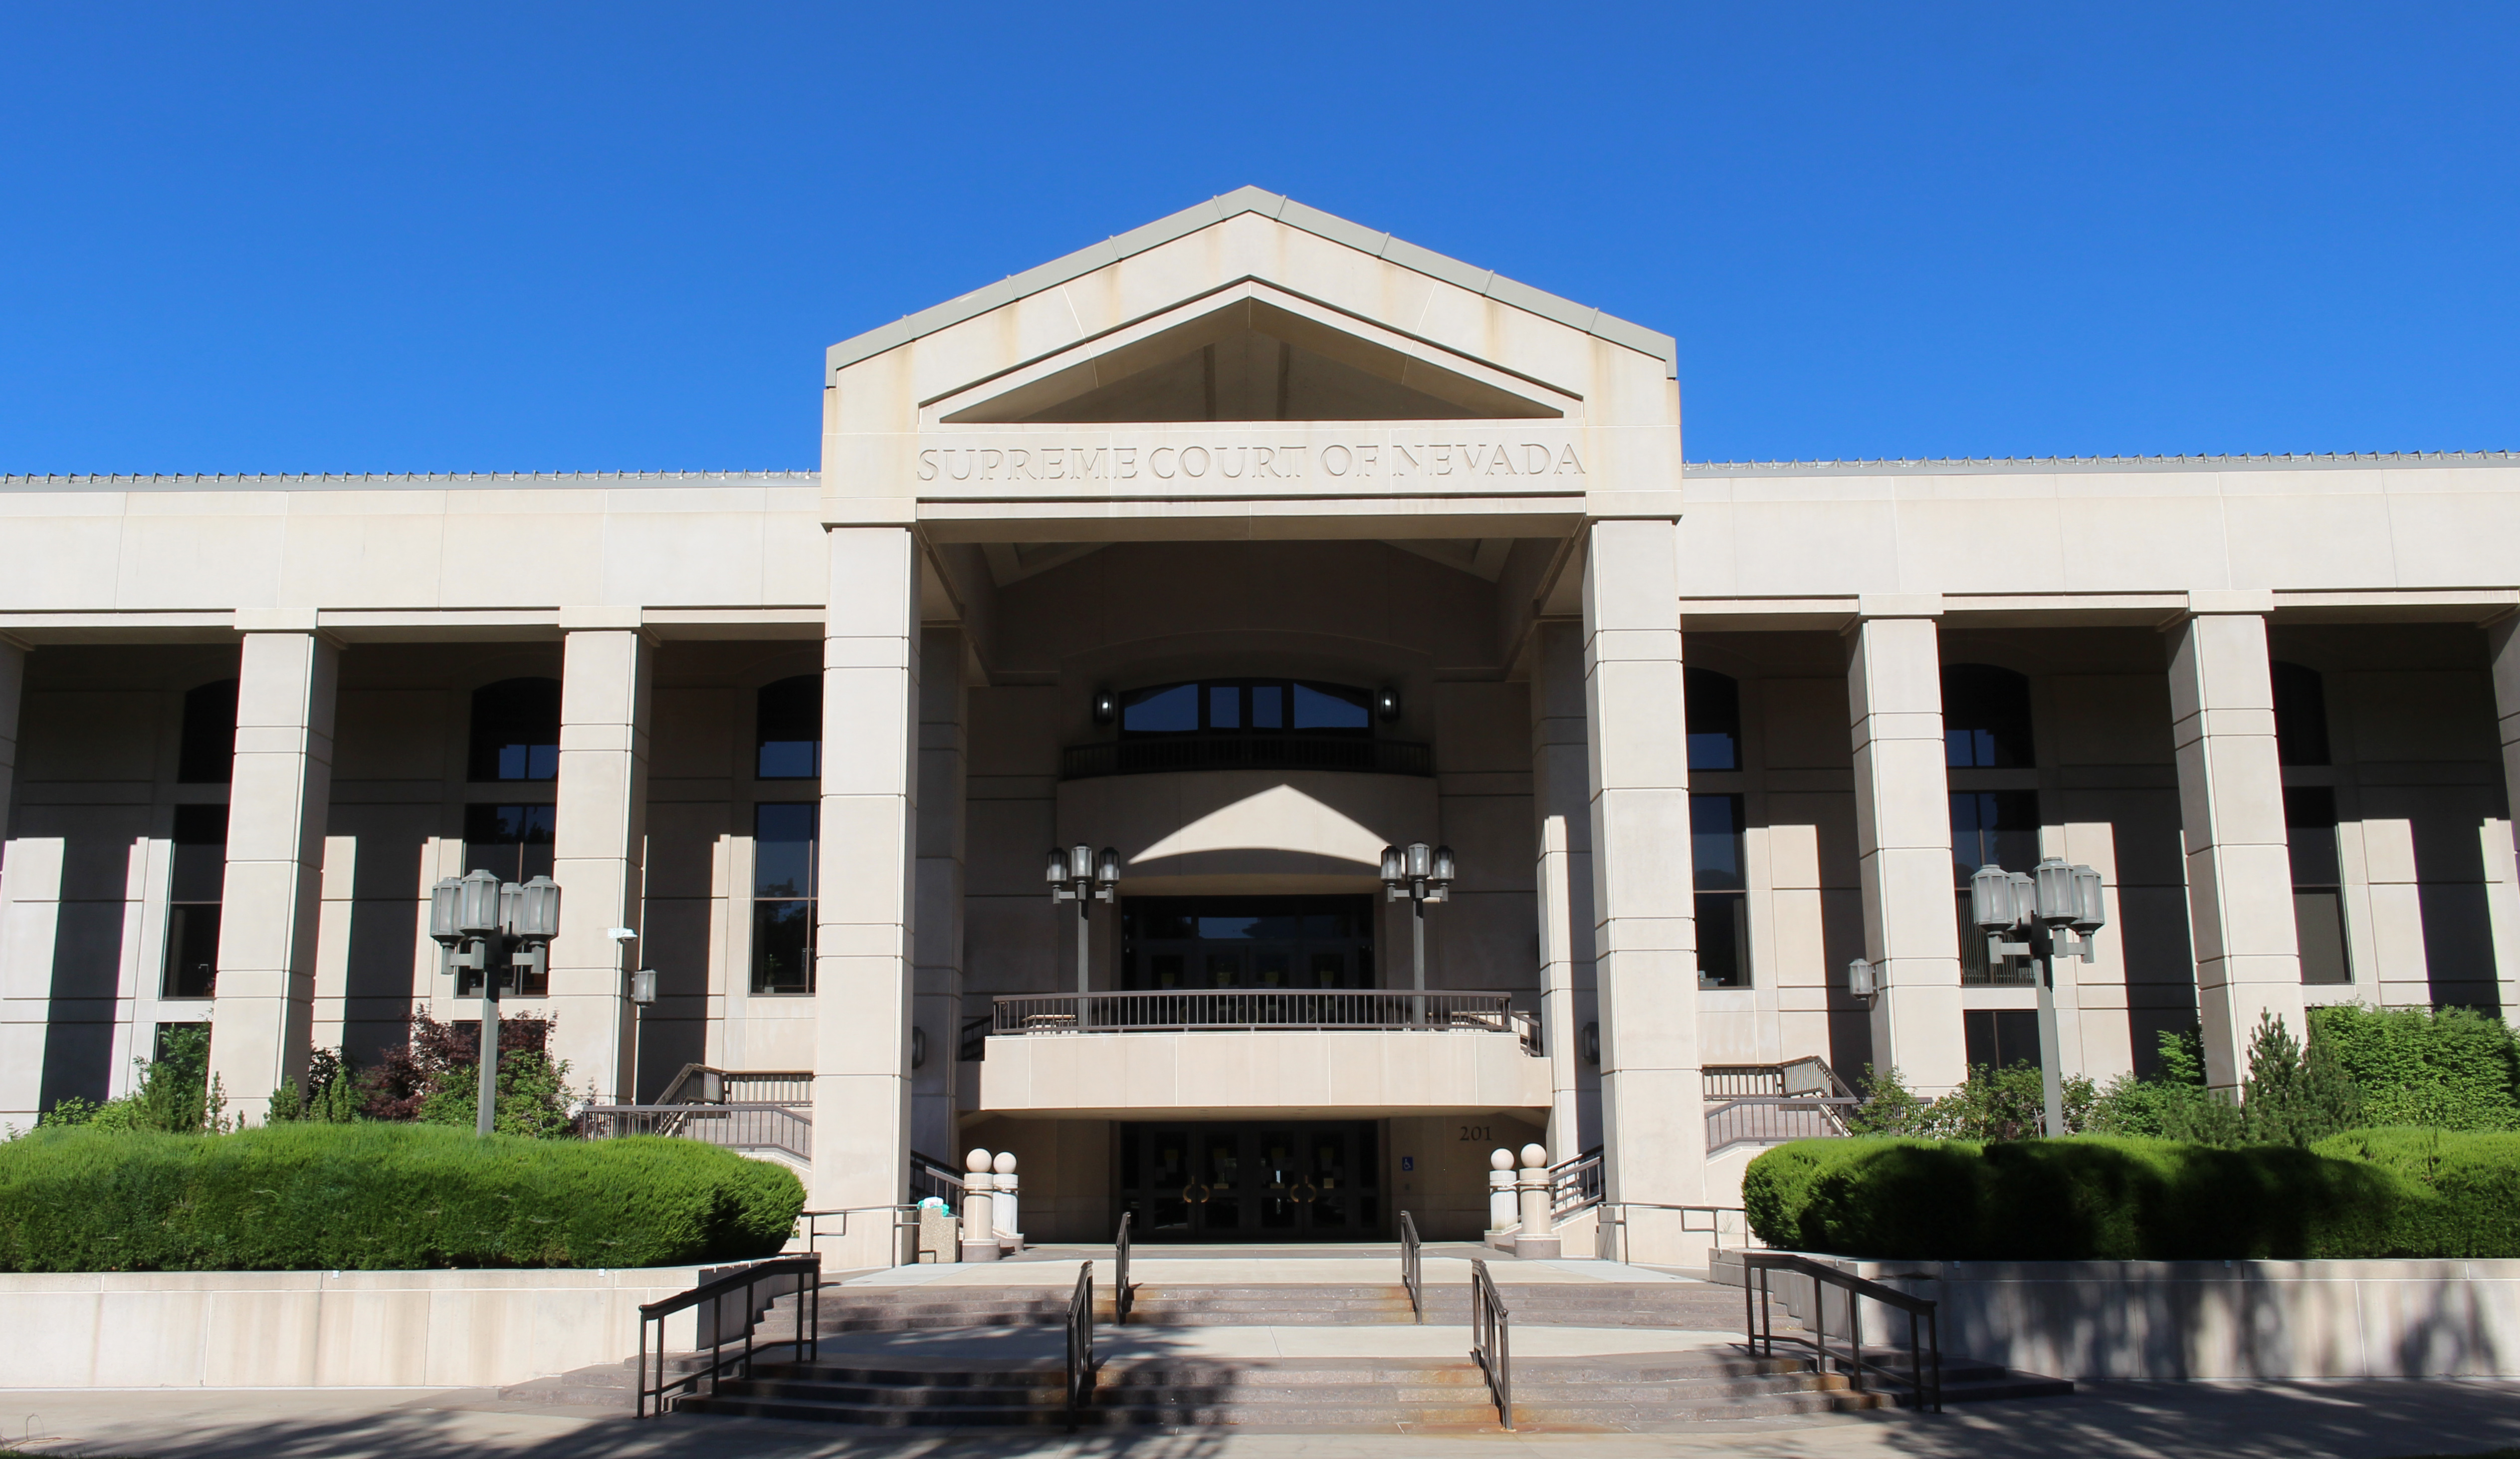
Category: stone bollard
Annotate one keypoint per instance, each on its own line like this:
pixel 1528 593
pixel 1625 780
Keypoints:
pixel 979 1238
pixel 1539 1234
pixel 1005 1217
pixel 1502 1212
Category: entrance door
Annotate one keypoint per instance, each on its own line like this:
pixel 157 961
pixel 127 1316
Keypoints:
pixel 1309 1180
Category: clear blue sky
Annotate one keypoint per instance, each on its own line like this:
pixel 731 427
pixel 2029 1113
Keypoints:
pixel 522 235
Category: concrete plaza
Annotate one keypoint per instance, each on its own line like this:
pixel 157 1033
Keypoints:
pixel 2137 1421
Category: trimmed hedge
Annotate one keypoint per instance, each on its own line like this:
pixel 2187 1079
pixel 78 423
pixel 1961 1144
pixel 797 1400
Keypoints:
pixel 376 1196
pixel 2098 1198
pixel 2468 1184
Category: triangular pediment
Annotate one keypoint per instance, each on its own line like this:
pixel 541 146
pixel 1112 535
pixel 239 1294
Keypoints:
pixel 1253 360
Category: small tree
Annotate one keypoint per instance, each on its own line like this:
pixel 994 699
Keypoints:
pixel 2294 1096
pixel 1889 1108
pixel 437 1078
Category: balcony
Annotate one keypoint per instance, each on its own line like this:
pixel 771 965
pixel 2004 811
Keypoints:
pixel 1288 1052
pixel 1293 751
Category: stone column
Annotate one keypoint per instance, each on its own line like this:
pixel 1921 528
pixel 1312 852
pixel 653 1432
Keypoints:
pixel 1644 926
pixel 600 841
pixel 938 1010
pixel 861 936
pixel 25 978
pixel 2502 639
pixel 1562 793
pixel 1902 820
pixel 271 897
pixel 2230 811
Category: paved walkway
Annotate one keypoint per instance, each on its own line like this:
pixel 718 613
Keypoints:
pixel 2109 1421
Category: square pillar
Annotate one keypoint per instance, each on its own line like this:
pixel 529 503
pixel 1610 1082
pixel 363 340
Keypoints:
pixel 2503 640
pixel 943 696
pixel 271 895
pixel 1645 928
pixel 1562 793
pixel 25 930
pixel 865 887
pixel 2230 811
pixel 1903 833
pixel 598 841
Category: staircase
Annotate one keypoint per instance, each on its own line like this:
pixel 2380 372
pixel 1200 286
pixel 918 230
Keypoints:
pixel 1607 1393
pixel 1685 1305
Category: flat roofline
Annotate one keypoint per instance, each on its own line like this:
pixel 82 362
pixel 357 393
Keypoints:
pixel 1935 466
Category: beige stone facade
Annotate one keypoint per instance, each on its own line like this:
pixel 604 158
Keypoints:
pixel 1699 735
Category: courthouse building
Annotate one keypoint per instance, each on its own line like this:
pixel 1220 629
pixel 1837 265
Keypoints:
pixel 1247 544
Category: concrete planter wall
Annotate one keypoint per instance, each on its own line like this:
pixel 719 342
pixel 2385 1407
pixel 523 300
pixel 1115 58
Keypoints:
pixel 313 1329
pixel 2202 1319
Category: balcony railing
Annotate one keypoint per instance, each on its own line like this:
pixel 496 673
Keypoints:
pixel 752 1126
pixel 1210 1009
pixel 1293 751
pixel 1769 1103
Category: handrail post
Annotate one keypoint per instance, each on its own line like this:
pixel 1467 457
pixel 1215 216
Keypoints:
pixel 1120 1273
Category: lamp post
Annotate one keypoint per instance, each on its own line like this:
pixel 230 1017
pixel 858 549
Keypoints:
pixel 1421 873
pixel 2056 908
pixel 1079 876
pixel 500 931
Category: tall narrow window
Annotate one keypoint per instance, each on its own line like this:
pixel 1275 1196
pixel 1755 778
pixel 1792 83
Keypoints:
pixel 208 752
pixel 1986 718
pixel 1714 720
pixel 516 731
pixel 1723 891
pixel 787 729
pixel 193 902
pixel 2317 890
pixel 2301 716
pixel 1990 828
pixel 783 897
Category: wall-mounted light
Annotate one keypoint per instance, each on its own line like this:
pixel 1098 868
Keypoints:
pixel 1591 1044
pixel 1386 703
pixel 1862 980
pixel 1107 707
pixel 918 1047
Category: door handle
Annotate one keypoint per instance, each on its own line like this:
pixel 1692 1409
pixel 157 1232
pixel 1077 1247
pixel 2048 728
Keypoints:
pixel 1203 1193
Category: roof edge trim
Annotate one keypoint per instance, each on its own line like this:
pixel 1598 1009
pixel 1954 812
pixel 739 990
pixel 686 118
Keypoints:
pixel 1286 211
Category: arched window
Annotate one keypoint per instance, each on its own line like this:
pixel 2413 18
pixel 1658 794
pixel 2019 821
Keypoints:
pixel 1714 720
pixel 516 731
pixel 787 729
pixel 208 754
pixel 2301 716
pixel 1986 718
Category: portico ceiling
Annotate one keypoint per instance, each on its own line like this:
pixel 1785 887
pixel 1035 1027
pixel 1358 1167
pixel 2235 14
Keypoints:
pixel 1014 561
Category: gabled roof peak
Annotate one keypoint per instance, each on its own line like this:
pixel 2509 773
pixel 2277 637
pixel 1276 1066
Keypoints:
pixel 1286 211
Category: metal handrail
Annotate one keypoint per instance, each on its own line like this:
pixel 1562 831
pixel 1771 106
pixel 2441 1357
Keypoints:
pixel 1122 1297
pixel 717 1087
pixel 930 1176
pixel 748 1125
pixel 1490 1342
pixel 1574 1184
pixel 1614 1218
pixel 1761 1330
pixel 808 1270
pixel 1195 1010
pixel 905 1228
pixel 1080 1344
pixel 1410 1277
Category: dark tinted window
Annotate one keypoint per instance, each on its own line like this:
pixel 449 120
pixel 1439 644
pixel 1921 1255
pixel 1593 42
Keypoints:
pixel 2301 716
pixel 208 753
pixel 1999 1038
pixel 200 872
pixel 516 730
pixel 1723 900
pixel 1714 720
pixel 1986 718
pixel 1231 706
pixel 783 897
pixel 787 729
pixel 511 842
pixel 2318 892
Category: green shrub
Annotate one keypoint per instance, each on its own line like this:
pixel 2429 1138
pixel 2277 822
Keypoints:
pixel 379 1196
pixel 175 1093
pixel 1992 1104
pixel 2449 1068
pixel 2470 1183
pixel 2089 1198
